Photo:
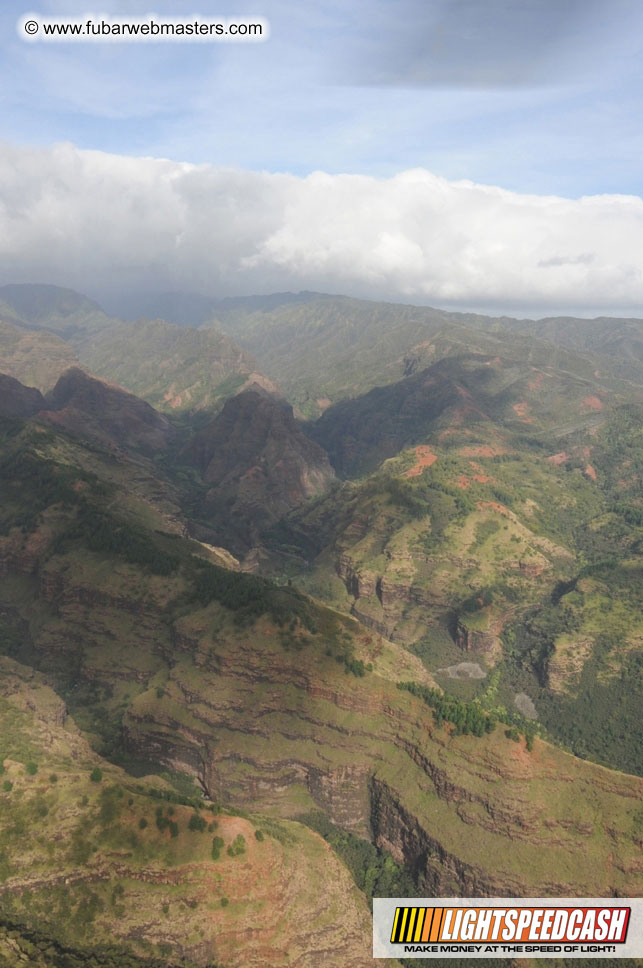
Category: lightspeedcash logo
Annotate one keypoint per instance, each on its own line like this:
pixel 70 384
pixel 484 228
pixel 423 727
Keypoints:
pixel 507 927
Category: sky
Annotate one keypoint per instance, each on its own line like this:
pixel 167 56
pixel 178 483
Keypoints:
pixel 481 154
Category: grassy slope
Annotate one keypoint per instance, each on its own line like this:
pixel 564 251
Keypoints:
pixel 84 861
pixel 330 348
pixel 174 368
pixel 265 716
pixel 37 359
pixel 527 479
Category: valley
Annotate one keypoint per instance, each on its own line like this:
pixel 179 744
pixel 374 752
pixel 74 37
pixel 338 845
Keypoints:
pixel 311 574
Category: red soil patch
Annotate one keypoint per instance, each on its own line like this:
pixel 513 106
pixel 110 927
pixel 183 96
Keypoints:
pixel 479 475
pixel 455 430
pixel 559 458
pixel 537 382
pixel 463 482
pixel 174 401
pixel 493 506
pixel 591 473
pixel 593 403
pixel 484 450
pixel 520 409
pixel 424 458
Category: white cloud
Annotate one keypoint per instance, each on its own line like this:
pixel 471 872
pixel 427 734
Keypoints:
pixel 97 222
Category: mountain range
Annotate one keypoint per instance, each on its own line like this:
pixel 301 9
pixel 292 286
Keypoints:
pixel 305 600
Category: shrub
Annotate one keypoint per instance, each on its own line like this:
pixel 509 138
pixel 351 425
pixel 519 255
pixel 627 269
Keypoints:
pixel 197 823
pixel 142 824
pixel 224 902
pixel 53 778
pixel 7 786
pixel 174 828
pixel 259 835
pixel 217 844
pixel 32 769
pixel 96 775
pixel 238 846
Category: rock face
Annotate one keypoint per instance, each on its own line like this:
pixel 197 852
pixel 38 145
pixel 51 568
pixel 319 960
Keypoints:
pixel 258 461
pixel 106 413
pixel 266 720
pixel 477 641
pixel 18 401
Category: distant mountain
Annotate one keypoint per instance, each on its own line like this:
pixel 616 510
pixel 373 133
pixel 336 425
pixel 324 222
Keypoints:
pixel 329 348
pixel 35 357
pixel 620 340
pixel 175 368
pixel 194 309
pixel 257 463
pixel 59 310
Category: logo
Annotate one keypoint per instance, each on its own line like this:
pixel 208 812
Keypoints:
pixel 501 927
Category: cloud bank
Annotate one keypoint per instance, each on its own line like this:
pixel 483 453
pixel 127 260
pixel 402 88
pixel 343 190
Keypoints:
pixel 100 223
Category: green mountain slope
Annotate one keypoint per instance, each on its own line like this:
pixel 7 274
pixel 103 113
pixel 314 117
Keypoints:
pixel 327 348
pixel 112 867
pixel 34 357
pixel 506 481
pixel 268 699
pixel 174 368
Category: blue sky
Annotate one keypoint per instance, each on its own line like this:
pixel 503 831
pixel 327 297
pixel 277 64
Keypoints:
pixel 475 154
pixel 531 95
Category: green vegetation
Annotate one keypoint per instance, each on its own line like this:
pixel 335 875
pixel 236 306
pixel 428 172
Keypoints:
pixel 102 532
pixel 197 823
pixel 238 846
pixel 374 871
pixel 30 946
pixel 466 717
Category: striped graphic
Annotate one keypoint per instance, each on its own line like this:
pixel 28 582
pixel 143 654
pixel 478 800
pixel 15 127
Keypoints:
pixel 417 925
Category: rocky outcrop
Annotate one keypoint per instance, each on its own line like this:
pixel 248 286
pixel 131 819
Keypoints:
pixel 439 872
pixel 18 401
pixel 359 584
pixel 107 414
pixel 477 641
pixel 258 463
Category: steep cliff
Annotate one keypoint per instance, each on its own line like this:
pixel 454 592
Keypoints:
pixel 257 462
